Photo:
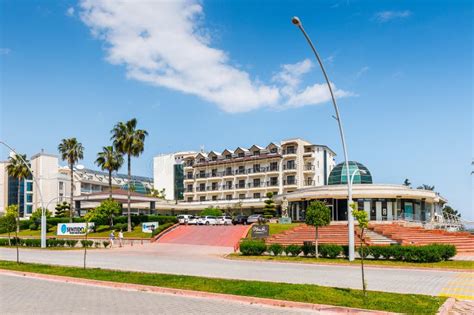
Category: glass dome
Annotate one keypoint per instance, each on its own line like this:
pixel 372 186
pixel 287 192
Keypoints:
pixel 338 174
pixel 137 186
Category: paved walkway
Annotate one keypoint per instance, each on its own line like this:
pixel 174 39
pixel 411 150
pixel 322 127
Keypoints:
pixel 207 261
pixel 33 296
pixel 205 235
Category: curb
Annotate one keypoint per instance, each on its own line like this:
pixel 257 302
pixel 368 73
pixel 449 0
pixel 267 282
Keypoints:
pixel 326 309
pixel 446 307
pixel 162 233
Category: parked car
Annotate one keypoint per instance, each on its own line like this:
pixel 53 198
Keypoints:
pixel 255 218
pixel 224 220
pixel 239 219
pixel 193 220
pixel 183 218
pixel 207 220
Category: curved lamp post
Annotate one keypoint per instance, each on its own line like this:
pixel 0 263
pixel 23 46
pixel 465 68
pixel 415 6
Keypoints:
pixel 296 21
pixel 43 210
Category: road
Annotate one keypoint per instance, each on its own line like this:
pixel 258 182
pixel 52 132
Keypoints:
pixel 34 296
pixel 208 261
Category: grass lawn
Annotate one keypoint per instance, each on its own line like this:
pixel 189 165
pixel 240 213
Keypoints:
pixel 451 264
pixel 276 228
pixel 393 302
pixel 136 233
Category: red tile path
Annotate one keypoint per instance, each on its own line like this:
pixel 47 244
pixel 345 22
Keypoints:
pixel 226 236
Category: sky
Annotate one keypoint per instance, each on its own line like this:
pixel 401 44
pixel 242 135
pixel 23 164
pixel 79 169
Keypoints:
pixel 223 74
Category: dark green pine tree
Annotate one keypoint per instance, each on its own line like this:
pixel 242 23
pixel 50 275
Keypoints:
pixel 62 210
pixel 270 209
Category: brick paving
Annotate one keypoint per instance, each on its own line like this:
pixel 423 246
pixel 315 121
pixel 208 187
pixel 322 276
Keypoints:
pixel 226 236
pixel 462 307
pixel 33 296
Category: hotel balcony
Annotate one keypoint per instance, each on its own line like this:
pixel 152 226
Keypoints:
pixel 291 182
pixel 310 182
pixel 309 168
pixel 289 167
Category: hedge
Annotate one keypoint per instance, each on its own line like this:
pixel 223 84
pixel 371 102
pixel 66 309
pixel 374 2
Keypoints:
pixel 161 228
pixel 409 253
pixel 51 242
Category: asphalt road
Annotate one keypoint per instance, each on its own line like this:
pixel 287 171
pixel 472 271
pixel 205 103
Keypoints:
pixel 20 295
pixel 208 261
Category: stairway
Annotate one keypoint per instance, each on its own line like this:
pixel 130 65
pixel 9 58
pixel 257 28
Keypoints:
pixel 378 239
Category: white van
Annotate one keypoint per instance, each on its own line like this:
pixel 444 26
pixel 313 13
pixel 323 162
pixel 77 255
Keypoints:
pixel 183 218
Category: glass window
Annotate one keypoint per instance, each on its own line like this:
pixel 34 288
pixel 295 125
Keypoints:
pixel 241 196
pixel 228 197
pixel 29 197
pixel 202 198
pixel 256 195
pixel 214 197
pixel 29 209
pixel 29 186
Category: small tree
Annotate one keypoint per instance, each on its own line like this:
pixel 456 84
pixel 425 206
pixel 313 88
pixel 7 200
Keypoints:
pixel 407 182
pixel 36 216
pixel 216 212
pixel 105 212
pixel 269 209
pixel 62 210
pixel 363 220
pixel 8 221
pixel 317 215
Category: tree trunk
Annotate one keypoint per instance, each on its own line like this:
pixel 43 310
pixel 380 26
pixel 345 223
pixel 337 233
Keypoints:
pixel 85 245
pixel 362 261
pixel 129 219
pixel 316 252
pixel 110 184
pixel 71 206
pixel 18 209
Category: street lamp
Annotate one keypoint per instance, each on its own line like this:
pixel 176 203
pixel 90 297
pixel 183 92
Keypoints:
pixel 43 210
pixel 296 21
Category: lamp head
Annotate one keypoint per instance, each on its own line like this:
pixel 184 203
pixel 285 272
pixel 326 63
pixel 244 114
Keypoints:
pixel 296 21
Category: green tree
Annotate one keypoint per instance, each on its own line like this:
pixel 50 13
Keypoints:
pixel 109 160
pixel 130 141
pixel 318 215
pixel 36 216
pixel 216 212
pixel 426 187
pixel 161 194
pixel 62 210
pixel 363 220
pixel 18 169
pixel 407 182
pixel 71 151
pixel 269 209
pixel 449 211
pixel 105 212
pixel 8 221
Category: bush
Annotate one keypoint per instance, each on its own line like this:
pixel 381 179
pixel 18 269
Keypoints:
pixel 308 249
pixel 71 243
pixel 3 241
pixel 97 244
pixel 120 226
pixel 446 251
pixel 32 242
pixel 33 227
pixel 376 251
pixel 275 249
pixel 85 243
pixel 102 228
pixel 106 244
pixel 330 250
pixel 211 211
pixel 293 249
pixel 345 251
pixel 252 247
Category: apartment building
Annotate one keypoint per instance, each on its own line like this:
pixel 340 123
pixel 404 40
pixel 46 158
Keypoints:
pixel 250 173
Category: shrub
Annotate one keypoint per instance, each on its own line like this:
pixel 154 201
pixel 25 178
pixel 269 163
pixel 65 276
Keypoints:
pixel 97 244
pixel 87 243
pixel 52 242
pixel 3 241
pixel 275 249
pixel 33 227
pixel 252 247
pixel 363 251
pixel 102 228
pixel 308 249
pixel 293 250
pixel 446 251
pixel 376 251
pixel 71 243
pixel 330 250
pixel 397 252
pixel 32 242
pixel 106 244
pixel 345 251
pixel 120 226
pixel 211 211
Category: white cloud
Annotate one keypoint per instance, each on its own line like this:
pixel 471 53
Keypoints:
pixel 70 11
pixel 5 51
pixel 362 71
pixel 385 16
pixel 165 44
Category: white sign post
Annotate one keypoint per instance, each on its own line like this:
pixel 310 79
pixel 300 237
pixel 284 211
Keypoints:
pixel 74 228
pixel 148 227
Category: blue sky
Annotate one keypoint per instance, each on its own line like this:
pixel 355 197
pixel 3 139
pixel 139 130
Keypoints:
pixel 234 73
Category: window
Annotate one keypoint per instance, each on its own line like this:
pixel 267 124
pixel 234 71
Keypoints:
pixel 29 197
pixel 29 186
pixel 273 181
pixel 228 184
pixel 241 183
pixel 241 196
pixel 290 180
pixel 202 187
pixel 202 198
pixel 228 171
pixel 256 195
pixel 256 168
pixel 241 170
pixel 256 182
pixel 61 185
pixel 190 199
pixel 228 156
pixel 241 154
pixel 214 198
pixel 202 174
pixel 274 166
pixel 214 186
pixel 190 188
pixel 290 149
pixel 29 209
pixel 256 152
pixel 291 165
pixel 214 172
pixel 273 150
pixel 214 158
pixel 190 175
pixel 228 197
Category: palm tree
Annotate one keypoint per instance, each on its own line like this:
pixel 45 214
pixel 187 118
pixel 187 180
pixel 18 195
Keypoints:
pixel 18 168
pixel 130 141
pixel 71 151
pixel 110 160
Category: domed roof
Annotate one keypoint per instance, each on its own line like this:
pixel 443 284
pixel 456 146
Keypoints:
pixel 338 174
pixel 136 186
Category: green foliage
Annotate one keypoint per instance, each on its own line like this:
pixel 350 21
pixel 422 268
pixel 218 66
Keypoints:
pixel 33 226
pixel 87 243
pixel 308 249
pixel 161 194
pixel 449 211
pixel 269 210
pixel 410 253
pixel 330 250
pixel 293 250
pixel 361 217
pixel 104 213
pixel 318 214
pixel 121 226
pixel 71 243
pixel 52 242
pixel 31 242
pixel 211 211
pixel 36 216
pixel 250 247
pixel 106 244
pixel 275 249
pixel 161 228
pixel 17 168
pixel 137 219
pixel 8 221
pixel 62 210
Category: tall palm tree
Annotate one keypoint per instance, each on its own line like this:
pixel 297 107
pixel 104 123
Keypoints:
pixel 71 151
pixel 110 160
pixel 130 141
pixel 18 168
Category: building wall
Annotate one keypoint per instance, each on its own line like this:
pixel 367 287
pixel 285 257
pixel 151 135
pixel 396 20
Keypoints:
pixel 3 187
pixel 45 170
pixel 163 174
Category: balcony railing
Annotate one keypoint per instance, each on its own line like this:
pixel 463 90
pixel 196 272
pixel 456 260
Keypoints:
pixel 289 182
pixel 189 176
pixel 289 167
pixel 289 151
pixel 309 167
pixel 309 182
